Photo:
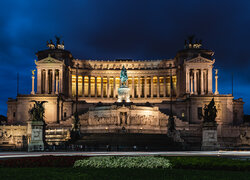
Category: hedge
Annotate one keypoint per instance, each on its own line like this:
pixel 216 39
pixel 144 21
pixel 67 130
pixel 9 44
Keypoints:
pixel 124 162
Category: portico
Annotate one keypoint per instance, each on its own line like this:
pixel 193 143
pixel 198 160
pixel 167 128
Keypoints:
pixel 199 76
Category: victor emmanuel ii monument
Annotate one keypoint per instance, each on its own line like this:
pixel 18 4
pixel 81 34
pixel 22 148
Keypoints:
pixel 127 102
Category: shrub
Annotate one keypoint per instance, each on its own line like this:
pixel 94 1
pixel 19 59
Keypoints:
pixel 123 162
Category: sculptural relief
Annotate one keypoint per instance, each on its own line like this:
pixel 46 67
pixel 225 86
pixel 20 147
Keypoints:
pixel 105 119
pixel 123 118
pixel 245 140
pixel 143 120
pixel 4 135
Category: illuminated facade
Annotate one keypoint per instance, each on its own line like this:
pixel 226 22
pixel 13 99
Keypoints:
pixel 60 77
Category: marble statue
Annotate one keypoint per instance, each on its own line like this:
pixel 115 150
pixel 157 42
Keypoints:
pixel 123 91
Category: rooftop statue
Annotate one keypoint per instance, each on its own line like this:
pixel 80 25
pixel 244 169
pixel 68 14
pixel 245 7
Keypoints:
pixel 123 76
pixel 58 39
pixel 33 72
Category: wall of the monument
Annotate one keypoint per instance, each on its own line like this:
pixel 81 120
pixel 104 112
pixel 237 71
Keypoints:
pixel 23 104
pixel 238 113
pixel 223 104
pixel 13 136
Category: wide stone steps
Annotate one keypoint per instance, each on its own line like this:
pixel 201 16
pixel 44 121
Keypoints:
pixel 129 141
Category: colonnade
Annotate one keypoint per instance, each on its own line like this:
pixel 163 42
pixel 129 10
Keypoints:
pixel 199 81
pixel 107 86
pixel 49 81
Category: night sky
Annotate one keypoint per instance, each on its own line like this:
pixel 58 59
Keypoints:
pixel 134 29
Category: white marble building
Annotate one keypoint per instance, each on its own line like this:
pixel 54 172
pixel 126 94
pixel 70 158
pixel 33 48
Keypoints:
pixel 60 76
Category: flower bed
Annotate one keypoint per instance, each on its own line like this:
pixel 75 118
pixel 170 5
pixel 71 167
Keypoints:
pixel 123 162
pixel 43 161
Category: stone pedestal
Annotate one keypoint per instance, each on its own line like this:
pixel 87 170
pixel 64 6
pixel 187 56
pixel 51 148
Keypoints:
pixel 123 94
pixel 209 137
pixel 35 133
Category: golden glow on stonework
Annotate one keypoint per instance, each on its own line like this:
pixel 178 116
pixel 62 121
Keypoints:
pixel 86 85
pixel 104 86
pixel 74 85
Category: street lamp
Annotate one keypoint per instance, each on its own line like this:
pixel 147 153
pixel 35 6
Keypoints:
pixel 171 123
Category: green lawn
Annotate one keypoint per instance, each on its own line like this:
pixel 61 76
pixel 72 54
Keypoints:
pixel 156 174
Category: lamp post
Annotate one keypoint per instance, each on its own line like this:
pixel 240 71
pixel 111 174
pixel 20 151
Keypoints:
pixel 171 123
pixel 171 99
pixel 76 132
pixel 77 66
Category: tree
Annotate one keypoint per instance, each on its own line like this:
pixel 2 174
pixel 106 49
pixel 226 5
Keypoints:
pixel 3 119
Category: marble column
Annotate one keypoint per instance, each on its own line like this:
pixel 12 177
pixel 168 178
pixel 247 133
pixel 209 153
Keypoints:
pixel 70 82
pixel 216 82
pixel 57 80
pixel 101 86
pixel 210 81
pixel 39 81
pixel 145 87
pixel 77 90
pixel 139 86
pixel 133 86
pixel 114 87
pixel 62 87
pixel 195 81
pixel 89 91
pixel 158 86
pixel 152 87
pixel 187 80
pixel 192 85
pixel 202 81
pixel 46 81
pixel 95 86
pixel 205 81
pixel 83 85
pixel 171 85
pixel 108 94
pixel 164 87
pixel 60 81
pixel 53 81
pixel 33 85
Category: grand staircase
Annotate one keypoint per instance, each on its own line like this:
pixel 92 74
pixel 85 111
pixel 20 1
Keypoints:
pixel 128 142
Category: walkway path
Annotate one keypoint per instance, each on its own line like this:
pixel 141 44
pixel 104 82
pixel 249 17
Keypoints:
pixel 240 154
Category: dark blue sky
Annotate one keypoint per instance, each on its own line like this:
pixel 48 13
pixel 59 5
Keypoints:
pixel 111 29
